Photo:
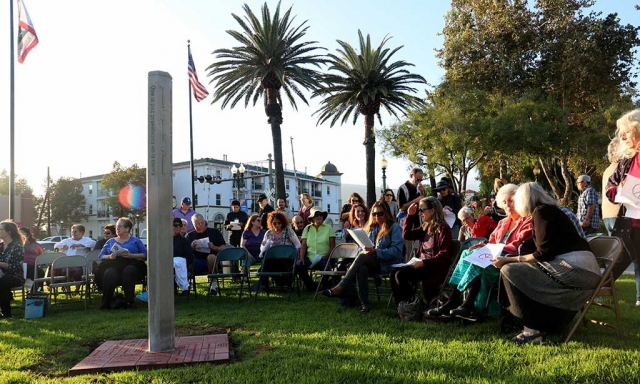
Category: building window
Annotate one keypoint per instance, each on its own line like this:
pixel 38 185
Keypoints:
pixel 90 209
pixel 218 199
pixel 328 191
pixel 328 208
pixel 287 184
pixel 91 189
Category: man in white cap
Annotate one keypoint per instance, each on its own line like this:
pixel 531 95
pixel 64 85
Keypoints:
pixel 588 206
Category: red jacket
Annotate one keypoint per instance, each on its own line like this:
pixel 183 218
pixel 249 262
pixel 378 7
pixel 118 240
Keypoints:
pixel 483 227
pixel 521 233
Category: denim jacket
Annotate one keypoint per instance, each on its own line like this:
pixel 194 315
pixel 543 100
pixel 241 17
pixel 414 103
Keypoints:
pixel 388 248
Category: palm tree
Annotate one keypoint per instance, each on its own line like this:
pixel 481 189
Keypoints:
pixel 363 82
pixel 270 58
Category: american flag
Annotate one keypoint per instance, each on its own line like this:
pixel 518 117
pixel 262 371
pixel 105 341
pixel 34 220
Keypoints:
pixel 199 91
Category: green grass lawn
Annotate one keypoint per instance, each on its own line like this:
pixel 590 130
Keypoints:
pixel 305 341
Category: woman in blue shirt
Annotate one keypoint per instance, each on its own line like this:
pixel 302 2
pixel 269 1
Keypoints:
pixel 123 263
pixel 386 236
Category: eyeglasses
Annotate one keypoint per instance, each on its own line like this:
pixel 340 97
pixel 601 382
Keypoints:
pixel 355 200
pixel 424 209
pixel 106 233
pixel 377 214
pixel 176 225
pixel 277 223
pixel 388 195
pixel 298 222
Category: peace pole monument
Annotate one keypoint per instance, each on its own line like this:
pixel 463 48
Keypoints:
pixel 159 201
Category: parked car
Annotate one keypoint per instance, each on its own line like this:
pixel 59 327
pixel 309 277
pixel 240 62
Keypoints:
pixel 55 239
pixel 47 245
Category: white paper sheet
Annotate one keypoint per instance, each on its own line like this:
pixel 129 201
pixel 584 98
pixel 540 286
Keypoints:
pixel 361 237
pixel 629 195
pixel 202 245
pixel 449 217
pixel 410 262
pixel 482 256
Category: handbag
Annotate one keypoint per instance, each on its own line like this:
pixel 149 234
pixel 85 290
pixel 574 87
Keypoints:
pixel 622 228
pixel 410 310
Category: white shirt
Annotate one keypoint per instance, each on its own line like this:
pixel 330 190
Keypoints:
pixel 87 242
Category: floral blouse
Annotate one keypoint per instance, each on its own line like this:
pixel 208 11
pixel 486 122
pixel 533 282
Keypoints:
pixel 287 237
pixel 13 254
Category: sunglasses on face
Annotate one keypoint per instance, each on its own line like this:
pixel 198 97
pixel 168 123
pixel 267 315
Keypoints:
pixel 175 225
pixel 377 214
pixel 424 209
pixel 388 195
pixel 355 200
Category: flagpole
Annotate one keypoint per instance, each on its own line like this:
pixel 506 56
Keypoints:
pixel 193 180
pixel 12 195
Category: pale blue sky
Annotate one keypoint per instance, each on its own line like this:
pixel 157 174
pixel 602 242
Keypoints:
pixel 81 93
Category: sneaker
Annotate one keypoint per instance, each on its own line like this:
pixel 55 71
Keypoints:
pixel 638 303
pixel 144 296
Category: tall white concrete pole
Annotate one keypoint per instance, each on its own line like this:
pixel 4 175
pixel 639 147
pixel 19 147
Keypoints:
pixel 159 202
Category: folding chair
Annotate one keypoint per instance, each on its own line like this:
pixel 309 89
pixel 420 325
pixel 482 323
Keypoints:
pixel 284 253
pixel 43 262
pixel 341 252
pixel 232 255
pixel 89 276
pixel 607 250
pixel 66 262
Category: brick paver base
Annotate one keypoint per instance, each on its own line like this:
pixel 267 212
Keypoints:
pixel 121 355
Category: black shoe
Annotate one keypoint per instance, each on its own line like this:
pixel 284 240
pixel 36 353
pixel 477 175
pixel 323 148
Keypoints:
pixel 330 293
pixel 439 311
pixel 184 293
pixel 212 292
pixel 461 312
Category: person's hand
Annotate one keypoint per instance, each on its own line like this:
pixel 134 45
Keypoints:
pixel 475 246
pixel 498 262
pixel 300 261
pixel 369 250
pixel 193 244
pixel 413 208
pixel 417 264
pixel 585 224
pixel 448 208
pixel 421 189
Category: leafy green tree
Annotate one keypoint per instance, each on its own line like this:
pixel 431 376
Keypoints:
pixel 67 202
pixel 446 135
pixel 20 184
pixel 126 186
pixel 271 58
pixel 555 74
pixel 360 82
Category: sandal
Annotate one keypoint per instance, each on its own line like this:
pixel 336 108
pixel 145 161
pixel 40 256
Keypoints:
pixel 521 338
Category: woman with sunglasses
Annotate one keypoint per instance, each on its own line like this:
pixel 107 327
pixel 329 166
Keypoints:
pixel 386 236
pixel 252 238
pixel 434 251
pixel 182 256
pixel 390 199
pixel 11 257
pixel 279 233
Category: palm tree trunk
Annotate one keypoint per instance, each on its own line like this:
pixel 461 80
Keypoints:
pixel 274 111
pixel 370 150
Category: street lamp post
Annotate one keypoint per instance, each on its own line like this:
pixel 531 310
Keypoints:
pixel 536 172
pixel 238 178
pixel 383 165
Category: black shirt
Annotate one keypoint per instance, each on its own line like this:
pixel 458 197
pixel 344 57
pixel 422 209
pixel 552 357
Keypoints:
pixel 214 236
pixel 264 212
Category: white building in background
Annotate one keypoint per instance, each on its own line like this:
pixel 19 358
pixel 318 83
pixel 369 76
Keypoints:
pixel 213 197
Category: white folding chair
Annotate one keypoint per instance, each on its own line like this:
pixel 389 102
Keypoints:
pixel 341 252
pixel 66 262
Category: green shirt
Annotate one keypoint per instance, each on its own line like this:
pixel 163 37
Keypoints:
pixel 317 239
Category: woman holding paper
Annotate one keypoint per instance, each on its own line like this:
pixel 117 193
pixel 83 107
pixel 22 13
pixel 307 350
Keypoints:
pixel 252 238
pixel 386 237
pixel 629 165
pixel 545 289
pixel 123 263
pixel 434 251
pixel 511 231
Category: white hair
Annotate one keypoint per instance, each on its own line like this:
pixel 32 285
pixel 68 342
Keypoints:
pixel 465 213
pixel 504 193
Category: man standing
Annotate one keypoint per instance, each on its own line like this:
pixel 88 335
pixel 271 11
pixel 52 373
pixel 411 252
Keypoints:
pixel 282 207
pixel 265 208
pixel 410 193
pixel 185 212
pixel 206 243
pixel 236 219
pixel 588 206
